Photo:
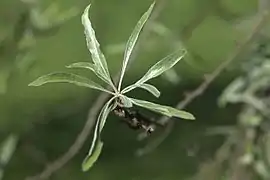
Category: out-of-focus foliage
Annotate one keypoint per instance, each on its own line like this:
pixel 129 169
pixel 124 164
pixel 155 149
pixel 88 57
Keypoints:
pixel 248 157
pixel 6 151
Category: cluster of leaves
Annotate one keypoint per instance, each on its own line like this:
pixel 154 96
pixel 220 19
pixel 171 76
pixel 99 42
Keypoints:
pixel 100 68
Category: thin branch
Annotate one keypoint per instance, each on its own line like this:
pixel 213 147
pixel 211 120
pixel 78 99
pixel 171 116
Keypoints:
pixel 93 112
pixel 209 79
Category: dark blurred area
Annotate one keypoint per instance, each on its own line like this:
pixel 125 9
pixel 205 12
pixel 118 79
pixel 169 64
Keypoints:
pixel 230 138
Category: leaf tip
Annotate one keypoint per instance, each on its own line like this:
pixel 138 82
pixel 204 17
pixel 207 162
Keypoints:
pixel 153 4
pixel 34 83
pixel 86 12
pixel 187 115
pixel 89 161
pixel 191 117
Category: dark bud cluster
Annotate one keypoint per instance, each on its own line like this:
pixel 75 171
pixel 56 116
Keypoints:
pixel 134 119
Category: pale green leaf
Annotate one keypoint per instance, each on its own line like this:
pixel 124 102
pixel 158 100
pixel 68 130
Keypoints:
pixel 150 88
pixel 62 77
pixel 7 148
pixel 93 46
pixel 165 110
pixel 132 41
pixel 85 65
pixel 157 69
pixel 97 144
pixel 180 113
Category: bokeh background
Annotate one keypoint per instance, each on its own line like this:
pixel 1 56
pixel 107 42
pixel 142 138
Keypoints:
pixel 39 37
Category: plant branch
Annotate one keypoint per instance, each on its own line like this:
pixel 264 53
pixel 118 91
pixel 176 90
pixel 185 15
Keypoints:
pixel 93 112
pixel 209 79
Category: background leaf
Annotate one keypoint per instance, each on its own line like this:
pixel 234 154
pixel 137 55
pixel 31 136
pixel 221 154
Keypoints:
pixel 132 41
pixel 93 46
pixel 7 149
pixel 157 69
pixel 165 110
pixel 97 144
pixel 62 77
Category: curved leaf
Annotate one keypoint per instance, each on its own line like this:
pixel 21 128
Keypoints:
pixel 89 161
pixel 93 46
pixel 97 144
pixel 62 77
pixel 89 66
pixel 157 69
pixel 150 88
pixel 132 41
pixel 165 110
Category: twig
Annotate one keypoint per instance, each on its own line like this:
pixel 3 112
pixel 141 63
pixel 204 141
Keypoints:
pixel 82 137
pixel 208 80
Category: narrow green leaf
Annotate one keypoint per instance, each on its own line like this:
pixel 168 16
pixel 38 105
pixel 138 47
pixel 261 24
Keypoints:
pixel 93 46
pixel 165 110
pixel 97 144
pixel 85 65
pixel 157 69
pixel 150 88
pixel 62 77
pixel 132 42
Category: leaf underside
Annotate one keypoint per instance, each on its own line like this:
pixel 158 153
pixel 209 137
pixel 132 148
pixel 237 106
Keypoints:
pixel 98 57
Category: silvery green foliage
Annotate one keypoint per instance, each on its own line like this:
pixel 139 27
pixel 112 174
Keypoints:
pixel 7 149
pixel 100 68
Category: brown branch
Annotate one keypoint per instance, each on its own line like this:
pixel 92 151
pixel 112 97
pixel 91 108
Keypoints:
pixel 93 112
pixel 209 79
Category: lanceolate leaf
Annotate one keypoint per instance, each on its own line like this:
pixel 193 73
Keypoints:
pixel 160 67
pixel 132 41
pixel 62 77
pixel 97 144
pixel 150 88
pixel 165 110
pixel 93 46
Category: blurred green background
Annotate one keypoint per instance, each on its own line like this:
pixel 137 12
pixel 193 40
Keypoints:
pixel 39 37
